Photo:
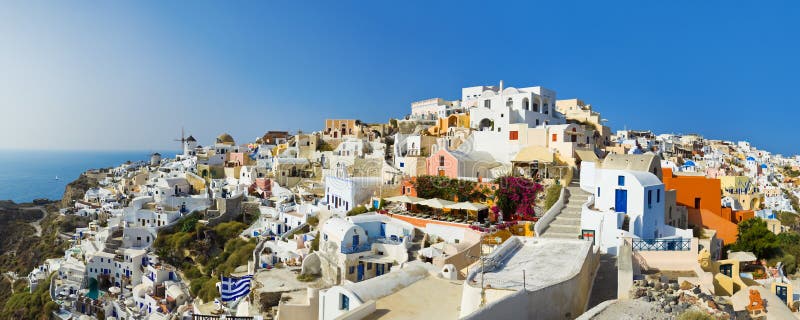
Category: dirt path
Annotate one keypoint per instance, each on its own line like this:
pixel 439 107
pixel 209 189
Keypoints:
pixel 37 224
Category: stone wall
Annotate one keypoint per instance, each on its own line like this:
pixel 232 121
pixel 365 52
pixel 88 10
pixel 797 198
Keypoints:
pixel 565 300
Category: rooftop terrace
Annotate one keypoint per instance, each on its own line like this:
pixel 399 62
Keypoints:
pixel 545 262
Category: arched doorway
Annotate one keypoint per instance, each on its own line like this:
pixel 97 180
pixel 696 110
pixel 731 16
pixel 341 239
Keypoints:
pixel 485 124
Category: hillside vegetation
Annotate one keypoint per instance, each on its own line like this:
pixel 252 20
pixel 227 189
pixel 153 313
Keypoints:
pixel 204 253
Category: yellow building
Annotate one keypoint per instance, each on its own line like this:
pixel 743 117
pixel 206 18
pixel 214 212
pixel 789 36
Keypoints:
pixel 342 128
pixel 743 190
pixel 726 272
pixel 460 120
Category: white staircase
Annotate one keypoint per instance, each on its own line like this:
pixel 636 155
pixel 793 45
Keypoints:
pixel 567 224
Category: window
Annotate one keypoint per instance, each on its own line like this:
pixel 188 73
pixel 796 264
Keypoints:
pixel 658 195
pixel 621 180
pixel 598 192
pixel 555 137
pixel 501 115
pixel 526 104
pixel 402 165
pixel 369 265
pixel 345 303
pixel 509 102
pixel 441 161
pixel 649 198
pixel 537 122
pixel 352 269
pixel 726 269
pixel 487 103
pixel 513 135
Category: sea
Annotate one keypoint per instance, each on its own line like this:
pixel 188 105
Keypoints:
pixel 26 175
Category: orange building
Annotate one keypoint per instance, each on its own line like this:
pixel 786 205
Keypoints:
pixel 408 188
pixel 702 196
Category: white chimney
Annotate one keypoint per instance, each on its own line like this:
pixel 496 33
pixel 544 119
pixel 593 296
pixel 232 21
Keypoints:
pixel 501 86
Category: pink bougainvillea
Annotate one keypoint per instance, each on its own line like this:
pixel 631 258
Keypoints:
pixel 516 197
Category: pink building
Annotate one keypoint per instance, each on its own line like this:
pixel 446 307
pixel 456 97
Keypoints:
pixel 236 158
pixel 442 163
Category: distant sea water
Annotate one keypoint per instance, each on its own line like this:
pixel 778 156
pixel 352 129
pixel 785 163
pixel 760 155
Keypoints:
pixel 26 175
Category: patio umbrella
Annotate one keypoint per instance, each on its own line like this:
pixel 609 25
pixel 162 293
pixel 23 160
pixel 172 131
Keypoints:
pixel 436 203
pixel 404 199
pixel 468 206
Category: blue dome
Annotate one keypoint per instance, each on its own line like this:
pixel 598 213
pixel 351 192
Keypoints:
pixel 689 163
pixel 751 159
pixel 763 165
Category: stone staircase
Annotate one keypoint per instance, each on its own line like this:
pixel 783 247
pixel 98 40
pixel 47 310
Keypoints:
pixel 416 244
pixel 567 224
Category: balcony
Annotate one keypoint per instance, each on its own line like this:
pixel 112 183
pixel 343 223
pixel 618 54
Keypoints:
pixel 662 244
pixel 357 249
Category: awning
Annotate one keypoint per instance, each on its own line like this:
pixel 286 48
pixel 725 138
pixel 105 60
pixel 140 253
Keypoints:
pixel 587 155
pixel 534 153
pixel 404 199
pixel 436 203
pixel 468 206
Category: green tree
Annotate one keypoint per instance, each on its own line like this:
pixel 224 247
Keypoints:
pixel 788 219
pixel 315 243
pixel 357 210
pixel 756 238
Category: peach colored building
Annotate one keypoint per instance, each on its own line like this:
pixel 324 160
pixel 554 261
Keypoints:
pixel 703 198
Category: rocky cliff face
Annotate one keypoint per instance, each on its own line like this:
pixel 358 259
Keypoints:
pixel 76 189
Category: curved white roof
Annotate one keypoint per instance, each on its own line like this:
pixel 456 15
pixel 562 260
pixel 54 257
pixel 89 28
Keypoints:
pixel 378 287
pixel 337 227
pixel 646 178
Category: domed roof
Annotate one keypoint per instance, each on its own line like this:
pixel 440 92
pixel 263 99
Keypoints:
pixel 689 163
pixel 763 165
pixel 226 139
pixel 750 159
pixel 191 139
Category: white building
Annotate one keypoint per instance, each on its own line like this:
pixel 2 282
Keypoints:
pixel 624 202
pixel 343 193
pixel 344 299
pixel 494 108
pixel 434 108
pixel 362 247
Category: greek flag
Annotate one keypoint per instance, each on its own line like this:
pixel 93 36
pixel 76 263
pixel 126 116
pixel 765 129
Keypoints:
pixel 234 288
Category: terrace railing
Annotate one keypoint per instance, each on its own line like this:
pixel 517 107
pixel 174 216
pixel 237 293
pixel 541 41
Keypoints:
pixel 662 244
pixel 357 249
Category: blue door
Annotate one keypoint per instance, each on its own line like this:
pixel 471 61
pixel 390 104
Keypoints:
pixel 383 229
pixel 360 272
pixel 355 241
pixel 621 203
pixel 781 292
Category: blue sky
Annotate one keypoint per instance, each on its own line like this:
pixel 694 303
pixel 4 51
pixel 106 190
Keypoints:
pixel 103 75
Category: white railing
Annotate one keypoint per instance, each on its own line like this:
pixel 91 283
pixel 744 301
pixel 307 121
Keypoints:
pixel 551 214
